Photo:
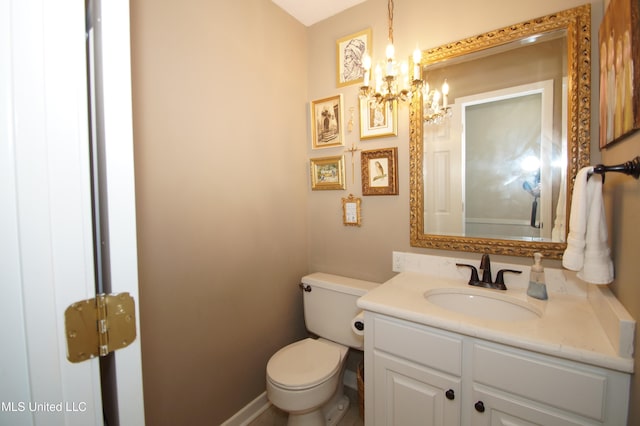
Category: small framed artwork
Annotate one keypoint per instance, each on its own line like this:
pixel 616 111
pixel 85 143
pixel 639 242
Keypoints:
pixel 327 173
pixel 619 38
pixel 378 119
pixel 379 171
pixel 351 211
pixel 326 122
pixel 349 53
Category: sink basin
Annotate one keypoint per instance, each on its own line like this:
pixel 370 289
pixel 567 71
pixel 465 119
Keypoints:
pixel 485 304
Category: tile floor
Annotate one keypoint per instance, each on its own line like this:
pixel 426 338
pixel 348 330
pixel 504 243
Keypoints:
pixel 275 417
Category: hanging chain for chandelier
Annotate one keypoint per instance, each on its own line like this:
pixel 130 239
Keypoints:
pixel 390 7
pixel 396 85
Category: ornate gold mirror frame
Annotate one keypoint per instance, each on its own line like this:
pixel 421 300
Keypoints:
pixel 577 24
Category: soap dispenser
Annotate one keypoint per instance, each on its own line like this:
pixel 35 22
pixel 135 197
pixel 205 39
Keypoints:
pixel 537 284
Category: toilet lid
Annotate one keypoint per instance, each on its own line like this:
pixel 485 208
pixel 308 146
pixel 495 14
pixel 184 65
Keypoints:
pixel 303 364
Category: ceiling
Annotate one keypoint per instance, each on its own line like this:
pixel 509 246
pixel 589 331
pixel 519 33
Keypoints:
pixel 310 12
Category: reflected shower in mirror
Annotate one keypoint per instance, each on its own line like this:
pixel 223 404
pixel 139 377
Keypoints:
pixel 496 174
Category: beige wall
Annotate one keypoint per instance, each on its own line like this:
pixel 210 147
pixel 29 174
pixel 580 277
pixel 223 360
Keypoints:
pixel 222 145
pixel 366 252
pixel 622 199
pixel 219 94
pixel 622 204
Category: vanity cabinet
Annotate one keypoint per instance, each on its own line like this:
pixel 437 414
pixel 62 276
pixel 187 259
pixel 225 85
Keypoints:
pixel 419 375
pixel 414 385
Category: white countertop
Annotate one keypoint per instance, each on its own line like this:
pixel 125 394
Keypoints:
pixel 569 326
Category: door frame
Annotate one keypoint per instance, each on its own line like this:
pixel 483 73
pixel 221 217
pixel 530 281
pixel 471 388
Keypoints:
pixel 120 184
pixel 46 257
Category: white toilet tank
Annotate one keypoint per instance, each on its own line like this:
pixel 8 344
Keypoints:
pixel 330 306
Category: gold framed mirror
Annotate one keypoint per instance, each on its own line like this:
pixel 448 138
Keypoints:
pixel 569 135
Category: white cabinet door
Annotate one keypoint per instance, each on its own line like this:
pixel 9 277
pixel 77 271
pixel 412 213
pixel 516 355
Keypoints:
pixel 492 408
pixel 410 394
pixel 546 390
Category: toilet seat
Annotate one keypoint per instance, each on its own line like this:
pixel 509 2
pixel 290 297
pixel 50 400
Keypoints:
pixel 304 364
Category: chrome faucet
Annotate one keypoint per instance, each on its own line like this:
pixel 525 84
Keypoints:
pixel 486 281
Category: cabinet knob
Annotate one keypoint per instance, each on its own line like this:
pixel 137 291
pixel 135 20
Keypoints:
pixel 450 394
pixel 479 407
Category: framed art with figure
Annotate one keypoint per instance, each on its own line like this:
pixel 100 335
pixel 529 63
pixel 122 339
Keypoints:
pixel 619 40
pixel 378 120
pixel 326 122
pixel 349 53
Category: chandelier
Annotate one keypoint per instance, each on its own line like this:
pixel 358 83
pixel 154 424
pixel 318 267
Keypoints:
pixel 391 81
pixel 436 104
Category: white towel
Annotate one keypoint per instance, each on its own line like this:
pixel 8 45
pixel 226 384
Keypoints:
pixel 573 257
pixel 587 247
pixel 559 231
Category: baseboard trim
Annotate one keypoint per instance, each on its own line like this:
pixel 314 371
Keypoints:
pixel 250 412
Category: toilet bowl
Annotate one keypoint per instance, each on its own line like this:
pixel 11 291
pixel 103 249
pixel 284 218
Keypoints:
pixel 305 379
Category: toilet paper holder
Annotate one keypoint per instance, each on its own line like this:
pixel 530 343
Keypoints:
pixel 357 324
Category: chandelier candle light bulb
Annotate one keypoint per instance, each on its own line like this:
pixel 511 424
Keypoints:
pixel 445 92
pixel 417 56
pixel 366 64
pixel 404 72
pixel 390 56
pixel 390 52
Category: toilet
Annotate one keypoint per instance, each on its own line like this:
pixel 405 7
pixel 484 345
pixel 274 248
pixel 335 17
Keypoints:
pixel 306 377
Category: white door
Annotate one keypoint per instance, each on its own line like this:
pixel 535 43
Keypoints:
pixel 444 176
pixel 490 203
pixel 46 239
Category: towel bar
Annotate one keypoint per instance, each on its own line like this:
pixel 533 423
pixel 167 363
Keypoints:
pixel 631 168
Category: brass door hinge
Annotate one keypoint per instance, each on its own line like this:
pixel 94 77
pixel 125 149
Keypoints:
pixel 95 327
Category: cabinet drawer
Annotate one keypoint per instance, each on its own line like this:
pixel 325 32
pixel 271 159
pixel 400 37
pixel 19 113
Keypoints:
pixel 419 344
pixel 580 390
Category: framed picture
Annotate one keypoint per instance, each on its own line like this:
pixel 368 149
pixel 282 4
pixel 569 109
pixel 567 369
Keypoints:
pixel 349 53
pixel 378 120
pixel 351 211
pixel 327 173
pixel 379 171
pixel 619 39
pixel 326 122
